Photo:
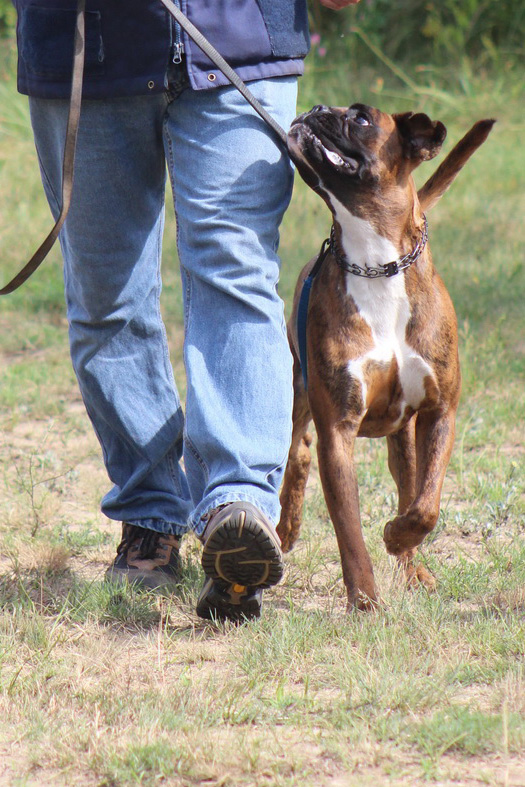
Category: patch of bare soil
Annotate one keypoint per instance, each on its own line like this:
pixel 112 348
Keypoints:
pixel 53 477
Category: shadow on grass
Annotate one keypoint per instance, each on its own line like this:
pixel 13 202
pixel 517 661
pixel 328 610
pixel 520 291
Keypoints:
pixel 66 595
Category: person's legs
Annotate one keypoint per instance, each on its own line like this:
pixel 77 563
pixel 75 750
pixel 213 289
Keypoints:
pixel 111 246
pixel 232 182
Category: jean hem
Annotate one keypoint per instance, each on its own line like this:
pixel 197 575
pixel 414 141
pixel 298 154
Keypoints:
pixel 198 521
pixel 159 526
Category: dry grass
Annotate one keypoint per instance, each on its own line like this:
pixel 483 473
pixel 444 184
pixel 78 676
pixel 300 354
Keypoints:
pixel 106 688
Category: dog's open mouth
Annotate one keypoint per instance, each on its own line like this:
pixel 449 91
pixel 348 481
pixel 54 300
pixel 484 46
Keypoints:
pixel 335 158
pixel 316 149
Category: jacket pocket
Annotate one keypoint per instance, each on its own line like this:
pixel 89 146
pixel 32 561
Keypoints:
pixel 287 25
pixel 46 38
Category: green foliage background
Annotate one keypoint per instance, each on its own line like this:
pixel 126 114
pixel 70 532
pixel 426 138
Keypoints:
pixel 7 18
pixel 443 32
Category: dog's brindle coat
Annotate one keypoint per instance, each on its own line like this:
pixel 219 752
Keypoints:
pixel 382 353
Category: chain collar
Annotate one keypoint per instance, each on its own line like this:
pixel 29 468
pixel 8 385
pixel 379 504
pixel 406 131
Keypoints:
pixel 388 269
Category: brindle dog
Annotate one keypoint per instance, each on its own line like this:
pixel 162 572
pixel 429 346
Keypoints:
pixel 382 353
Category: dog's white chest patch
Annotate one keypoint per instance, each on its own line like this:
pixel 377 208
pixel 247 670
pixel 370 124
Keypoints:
pixel 383 303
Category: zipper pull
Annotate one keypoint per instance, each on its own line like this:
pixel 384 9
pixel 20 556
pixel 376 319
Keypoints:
pixel 178 51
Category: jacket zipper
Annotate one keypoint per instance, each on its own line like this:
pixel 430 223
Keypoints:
pixel 178 46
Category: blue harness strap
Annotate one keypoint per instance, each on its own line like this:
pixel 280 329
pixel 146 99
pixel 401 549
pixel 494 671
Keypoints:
pixel 302 319
pixel 302 311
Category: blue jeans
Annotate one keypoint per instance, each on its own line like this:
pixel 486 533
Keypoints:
pixel 231 185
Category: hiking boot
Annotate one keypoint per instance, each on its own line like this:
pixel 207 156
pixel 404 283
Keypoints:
pixel 241 556
pixel 146 558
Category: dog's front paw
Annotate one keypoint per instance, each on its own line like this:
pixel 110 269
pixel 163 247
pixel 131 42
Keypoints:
pixel 404 533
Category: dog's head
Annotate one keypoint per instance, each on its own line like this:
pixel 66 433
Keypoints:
pixel 364 157
pixel 361 155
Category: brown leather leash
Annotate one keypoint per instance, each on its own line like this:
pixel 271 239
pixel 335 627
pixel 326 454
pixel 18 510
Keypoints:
pixel 68 164
pixel 74 118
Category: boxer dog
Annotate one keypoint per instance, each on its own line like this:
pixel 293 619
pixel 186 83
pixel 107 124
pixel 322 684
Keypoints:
pixel 380 344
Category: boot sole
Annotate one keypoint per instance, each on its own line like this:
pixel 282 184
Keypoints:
pixel 243 551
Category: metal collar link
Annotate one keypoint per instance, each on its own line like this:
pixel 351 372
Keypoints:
pixel 389 268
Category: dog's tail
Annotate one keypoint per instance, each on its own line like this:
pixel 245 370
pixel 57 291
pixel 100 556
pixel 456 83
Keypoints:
pixel 445 174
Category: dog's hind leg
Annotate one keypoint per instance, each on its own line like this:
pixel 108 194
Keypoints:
pixel 297 468
pixel 402 465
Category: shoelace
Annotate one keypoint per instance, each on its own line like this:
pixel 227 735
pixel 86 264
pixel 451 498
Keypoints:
pixel 149 541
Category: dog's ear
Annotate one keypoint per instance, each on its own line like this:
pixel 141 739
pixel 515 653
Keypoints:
pixel 421 137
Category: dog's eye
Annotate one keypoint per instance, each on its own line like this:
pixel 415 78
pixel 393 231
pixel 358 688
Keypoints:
pixel 361 119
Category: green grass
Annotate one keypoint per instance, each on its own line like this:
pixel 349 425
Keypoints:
pixel 105 687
